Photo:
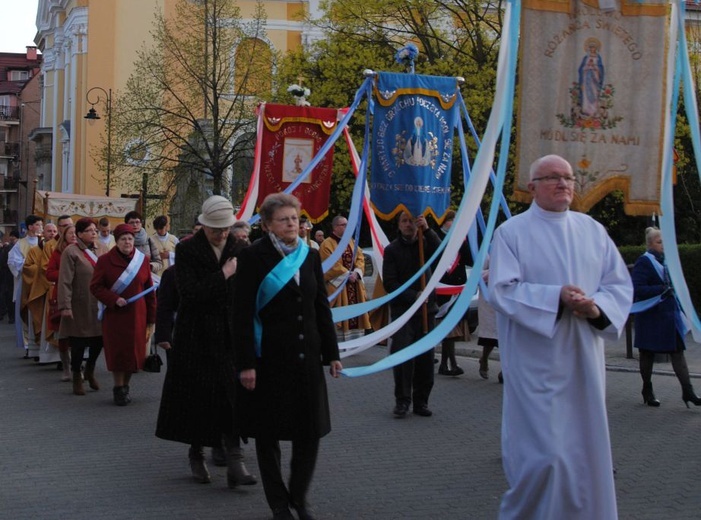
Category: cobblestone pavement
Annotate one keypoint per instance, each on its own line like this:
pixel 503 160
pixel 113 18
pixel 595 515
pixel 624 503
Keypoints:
pixel 64 456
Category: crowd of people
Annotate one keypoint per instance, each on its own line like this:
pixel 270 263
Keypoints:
pixel 247 330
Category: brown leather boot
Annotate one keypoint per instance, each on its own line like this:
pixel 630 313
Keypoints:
pixel 78 384
pixel 90 376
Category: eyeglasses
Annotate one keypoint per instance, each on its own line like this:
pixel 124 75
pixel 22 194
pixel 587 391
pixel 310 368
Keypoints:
pixel 287 220
pixel 555 179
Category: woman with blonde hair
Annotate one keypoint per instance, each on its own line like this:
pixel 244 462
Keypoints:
pixel 660 329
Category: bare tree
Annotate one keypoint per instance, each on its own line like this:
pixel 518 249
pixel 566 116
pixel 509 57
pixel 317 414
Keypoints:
pixel 191 95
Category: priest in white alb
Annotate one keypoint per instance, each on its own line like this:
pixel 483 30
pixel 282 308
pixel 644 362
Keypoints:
pixel 560 286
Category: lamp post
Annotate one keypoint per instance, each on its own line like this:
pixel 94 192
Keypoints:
pixel 93 115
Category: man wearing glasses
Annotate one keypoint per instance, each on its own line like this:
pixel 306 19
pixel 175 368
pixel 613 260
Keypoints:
pixel 559 286
pixel 143 242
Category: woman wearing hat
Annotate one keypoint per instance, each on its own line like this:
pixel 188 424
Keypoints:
pixel 119 275
pixel 197 404
pixel 284 334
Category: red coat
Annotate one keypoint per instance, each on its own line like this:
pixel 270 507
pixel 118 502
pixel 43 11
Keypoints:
pixel 123 328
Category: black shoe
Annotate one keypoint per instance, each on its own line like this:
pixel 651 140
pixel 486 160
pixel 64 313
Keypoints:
pixel 501 378
pixel 218 456
pixel 689 395
pixel 649 396
pixel 401 410
pixel 303 513
pixel 282 513
pixel 423 411
pixel 443 370
pixel 120 397
pixel 651 400
pixel 457 371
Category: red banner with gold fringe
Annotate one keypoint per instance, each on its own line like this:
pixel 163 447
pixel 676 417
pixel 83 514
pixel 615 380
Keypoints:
pixel 292 136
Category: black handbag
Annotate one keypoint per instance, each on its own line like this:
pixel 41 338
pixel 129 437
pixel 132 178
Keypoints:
pixel 153 362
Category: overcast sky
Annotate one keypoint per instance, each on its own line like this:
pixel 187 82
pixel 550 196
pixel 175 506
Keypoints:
pixel 19 28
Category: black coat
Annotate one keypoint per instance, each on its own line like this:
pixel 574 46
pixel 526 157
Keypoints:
pixel 168 301
pixel 290 401
pixel 200 384
pixel 401 262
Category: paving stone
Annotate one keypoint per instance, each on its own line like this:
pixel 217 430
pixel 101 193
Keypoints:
pixel 69 457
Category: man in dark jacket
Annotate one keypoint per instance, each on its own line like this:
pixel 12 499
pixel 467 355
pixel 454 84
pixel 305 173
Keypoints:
pixel 413 379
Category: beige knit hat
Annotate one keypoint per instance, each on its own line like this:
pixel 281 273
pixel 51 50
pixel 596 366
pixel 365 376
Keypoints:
pixel 217 212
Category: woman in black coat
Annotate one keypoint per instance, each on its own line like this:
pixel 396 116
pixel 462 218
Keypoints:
pixel 197 405
pixel 455 275
pixel 659 329
pixel 281 347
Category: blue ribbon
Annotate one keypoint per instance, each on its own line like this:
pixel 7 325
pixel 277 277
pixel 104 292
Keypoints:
pixel 273 283
pixel 463 301
pixel 142 294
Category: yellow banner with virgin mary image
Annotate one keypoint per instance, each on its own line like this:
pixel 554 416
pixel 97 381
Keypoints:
pixel 593 88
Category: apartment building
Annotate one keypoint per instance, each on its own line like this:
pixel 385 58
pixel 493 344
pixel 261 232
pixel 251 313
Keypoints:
pixel 19 109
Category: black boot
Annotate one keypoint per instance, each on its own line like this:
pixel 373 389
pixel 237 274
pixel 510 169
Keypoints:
pixel 688 394
pixel 119 394
pixel 446 347
pixel 649 396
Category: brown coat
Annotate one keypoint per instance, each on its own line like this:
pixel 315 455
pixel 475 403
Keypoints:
pixel 75 273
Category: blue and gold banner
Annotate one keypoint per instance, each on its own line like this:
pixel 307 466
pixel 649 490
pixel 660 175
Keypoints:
pixel 413 127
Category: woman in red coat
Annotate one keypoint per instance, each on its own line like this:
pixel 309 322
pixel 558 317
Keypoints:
pixel 119 275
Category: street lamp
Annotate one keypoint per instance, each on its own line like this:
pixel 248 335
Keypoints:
pixel 93 115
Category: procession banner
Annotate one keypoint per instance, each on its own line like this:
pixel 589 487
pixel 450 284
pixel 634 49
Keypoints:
pixel 292 136
pixel 592 88
pixel 413 127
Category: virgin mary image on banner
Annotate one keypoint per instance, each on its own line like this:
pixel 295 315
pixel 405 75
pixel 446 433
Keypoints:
pixel 591 78
pixel 418 148
pixel 593 89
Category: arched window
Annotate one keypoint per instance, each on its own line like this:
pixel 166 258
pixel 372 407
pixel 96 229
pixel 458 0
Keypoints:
pixel 253 68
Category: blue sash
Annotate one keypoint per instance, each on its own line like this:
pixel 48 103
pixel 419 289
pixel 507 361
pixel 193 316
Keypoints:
pixel 273 283
pixel 661 270
pixel 657 265
pixel 124 279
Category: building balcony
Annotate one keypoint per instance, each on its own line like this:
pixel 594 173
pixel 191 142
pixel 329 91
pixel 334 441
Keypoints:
pixel 8 113
pixel 9 150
